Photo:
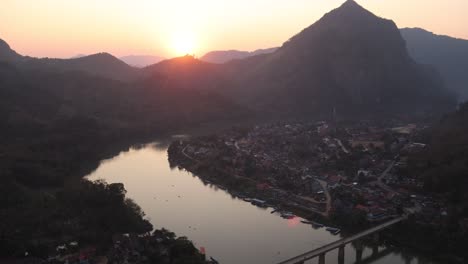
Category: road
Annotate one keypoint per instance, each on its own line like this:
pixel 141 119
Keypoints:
pixel 327 195
pixel 379 181
pixel 342 146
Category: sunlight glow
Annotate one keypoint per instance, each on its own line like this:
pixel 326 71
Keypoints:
pixel 184 43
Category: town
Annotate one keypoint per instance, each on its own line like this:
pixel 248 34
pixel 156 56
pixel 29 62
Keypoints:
pixel 352 174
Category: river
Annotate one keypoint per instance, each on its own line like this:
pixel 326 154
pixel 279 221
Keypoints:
pixel 231 230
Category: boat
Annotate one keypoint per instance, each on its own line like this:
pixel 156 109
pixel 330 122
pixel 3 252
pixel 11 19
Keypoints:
pixel 317 225
pixel 314 224
pixel 214 260
pixel 333 230
pixel 240 196
pixel 287 215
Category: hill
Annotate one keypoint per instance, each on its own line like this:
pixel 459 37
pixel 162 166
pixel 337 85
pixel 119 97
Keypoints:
pixel 223 56
pixel 187 72
pixel 444 162
pixel 449 55
pixel 443 166
pixel 100 64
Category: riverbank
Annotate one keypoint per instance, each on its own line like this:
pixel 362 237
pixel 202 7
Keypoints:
pixel 279 201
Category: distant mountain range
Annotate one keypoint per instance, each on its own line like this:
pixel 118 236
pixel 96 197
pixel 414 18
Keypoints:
pixel 449 55
pixel 100 64
pixel 141 61
pixel 138 61
pixel 223 56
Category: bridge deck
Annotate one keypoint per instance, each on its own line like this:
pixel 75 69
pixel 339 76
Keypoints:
pixel 318 251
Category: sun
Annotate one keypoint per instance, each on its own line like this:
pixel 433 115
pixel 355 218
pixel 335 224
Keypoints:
pixel 184 43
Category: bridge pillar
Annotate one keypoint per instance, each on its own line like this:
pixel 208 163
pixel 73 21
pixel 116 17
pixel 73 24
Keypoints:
pixel 375 250
pixel 321 258
pixel 341 254
pixel 359 250
pixel 375 247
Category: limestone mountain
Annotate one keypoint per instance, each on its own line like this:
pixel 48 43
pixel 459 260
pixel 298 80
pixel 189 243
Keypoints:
pixel 350 61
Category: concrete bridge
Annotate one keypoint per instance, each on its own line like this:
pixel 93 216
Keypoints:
pixel 340 244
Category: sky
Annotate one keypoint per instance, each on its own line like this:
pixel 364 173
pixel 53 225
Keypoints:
pixel 65 28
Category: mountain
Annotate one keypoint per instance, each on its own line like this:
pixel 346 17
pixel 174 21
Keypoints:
pixel 7 54
pixel 141 61
pixel 100 64
pixel 350 61
pixel 223 56
pixel 449 55
pixel 187 72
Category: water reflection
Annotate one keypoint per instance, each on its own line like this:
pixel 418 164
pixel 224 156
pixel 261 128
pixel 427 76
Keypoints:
pixel 230 229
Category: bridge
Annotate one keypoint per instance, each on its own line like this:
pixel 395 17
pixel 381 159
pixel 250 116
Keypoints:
pixel 340 244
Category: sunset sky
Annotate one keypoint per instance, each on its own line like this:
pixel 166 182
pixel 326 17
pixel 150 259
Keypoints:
pixel 58 28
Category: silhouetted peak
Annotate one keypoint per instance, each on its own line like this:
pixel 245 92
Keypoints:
pixel 101 58
pixel 350 9
pixel 101 55
pixel 4 45
pixel 7 54
pixel 350 3
pixel 347 22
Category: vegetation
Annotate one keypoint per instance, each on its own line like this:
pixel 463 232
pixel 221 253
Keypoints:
pixel 444 164
pixel 36 221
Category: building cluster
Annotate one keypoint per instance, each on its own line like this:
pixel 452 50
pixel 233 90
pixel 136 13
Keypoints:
pixel 358 165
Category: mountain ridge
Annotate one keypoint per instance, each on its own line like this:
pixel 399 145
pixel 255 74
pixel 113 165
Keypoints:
pixel 100 64
pixel 447 54
pixel 223 56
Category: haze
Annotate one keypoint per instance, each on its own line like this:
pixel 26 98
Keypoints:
pixel 56 28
